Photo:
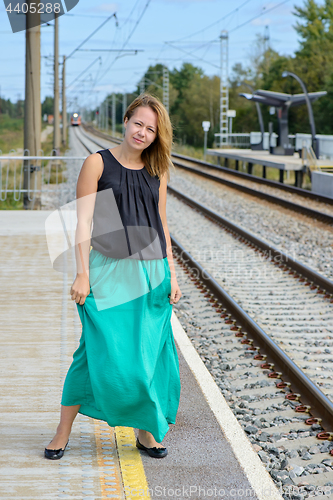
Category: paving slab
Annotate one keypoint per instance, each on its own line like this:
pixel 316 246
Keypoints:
pixel 209 454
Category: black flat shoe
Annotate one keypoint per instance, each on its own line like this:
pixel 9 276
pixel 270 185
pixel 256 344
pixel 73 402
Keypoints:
pixel 153 452
pixel 54 454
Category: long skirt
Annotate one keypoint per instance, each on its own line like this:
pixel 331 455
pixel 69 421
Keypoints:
pixel 126 368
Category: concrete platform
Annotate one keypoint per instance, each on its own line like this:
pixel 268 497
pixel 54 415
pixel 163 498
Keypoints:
pixel 209 454
pixel 322 183
pixel 265 158
pixel 260 158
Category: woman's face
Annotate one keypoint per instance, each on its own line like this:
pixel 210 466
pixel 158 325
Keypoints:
pixel 141 128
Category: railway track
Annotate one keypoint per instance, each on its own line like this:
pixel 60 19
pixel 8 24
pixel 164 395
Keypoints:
pixel 272 191
pixel 289 299
pixel 272 198
pixel 267 339
pixel 284 437
pixel 321 209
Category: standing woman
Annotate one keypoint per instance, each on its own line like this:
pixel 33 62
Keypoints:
pixel 126 369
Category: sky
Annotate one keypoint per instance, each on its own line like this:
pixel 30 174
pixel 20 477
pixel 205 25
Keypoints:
pixel 169 32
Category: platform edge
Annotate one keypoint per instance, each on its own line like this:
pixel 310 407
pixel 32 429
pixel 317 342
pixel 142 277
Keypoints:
pixel 255 472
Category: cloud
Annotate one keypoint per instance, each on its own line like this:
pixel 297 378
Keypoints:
pixel 261 21
pixel 107 7
pixel 187 1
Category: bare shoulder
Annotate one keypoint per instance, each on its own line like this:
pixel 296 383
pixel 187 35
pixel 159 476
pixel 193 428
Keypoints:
pixel 164 181
pixel 93 166
pixel 90 174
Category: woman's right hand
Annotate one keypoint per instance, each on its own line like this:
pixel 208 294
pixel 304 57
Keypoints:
pixel 80 288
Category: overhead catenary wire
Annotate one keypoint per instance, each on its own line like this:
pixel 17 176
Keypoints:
pixel 128 38
pixel 84 71
pixel 214 23
pixel 92 34
pixel 191 53
pixel 264 11
pixel 206 45
pixel 130 14
pixel 126 41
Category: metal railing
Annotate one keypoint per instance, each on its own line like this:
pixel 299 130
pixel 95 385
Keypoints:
pixel 47 180
pixel 236 140
pixel 297 141
pixel 309 158
pixel 245 140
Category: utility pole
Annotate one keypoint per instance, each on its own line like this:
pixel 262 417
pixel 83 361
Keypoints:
pixel 142 85
pixel 166 88
pixel 56 117
pixel 32 113
pixel 124 108
pixel 113 114
pixel 107 114
pixel 64 106
pixel 224 90
pixel 266 51
pixel 266 39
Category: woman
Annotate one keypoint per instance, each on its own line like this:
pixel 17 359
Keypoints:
pixel 125 370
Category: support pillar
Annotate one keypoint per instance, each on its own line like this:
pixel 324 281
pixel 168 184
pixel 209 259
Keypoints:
pixel 298 178
pixel 32 114
pixel 56 115
pixel 64 105
pixel 264 171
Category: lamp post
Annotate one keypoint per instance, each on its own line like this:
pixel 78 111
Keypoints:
pixel 205 126
pixel 261 121
pixel 231 113
pixel 310 112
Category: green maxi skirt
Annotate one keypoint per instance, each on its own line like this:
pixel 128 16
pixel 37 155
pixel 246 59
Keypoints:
pixel 126 368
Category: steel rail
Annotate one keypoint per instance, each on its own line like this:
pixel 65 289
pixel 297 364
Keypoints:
pixel 273 199
pixel 83 144
pixel 321 406
pixel 276 254
pixel 314 214
pixel 243 175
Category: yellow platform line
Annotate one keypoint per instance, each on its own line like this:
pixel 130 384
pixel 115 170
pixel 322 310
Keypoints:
pixel 108 462
pixel 132 470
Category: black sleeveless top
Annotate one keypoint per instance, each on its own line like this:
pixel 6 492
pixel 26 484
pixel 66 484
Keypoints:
pixel 126 220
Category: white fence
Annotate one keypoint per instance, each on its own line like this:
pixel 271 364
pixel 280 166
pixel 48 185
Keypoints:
pixel 246 140
pixel 298 141
pixel 255 138
pixel 50 179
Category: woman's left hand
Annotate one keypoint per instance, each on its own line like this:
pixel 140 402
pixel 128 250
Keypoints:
pixel 175 291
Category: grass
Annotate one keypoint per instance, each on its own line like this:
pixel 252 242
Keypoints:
pixel 11 133
pixel 118 132
pixel 271 173
pixel 184 149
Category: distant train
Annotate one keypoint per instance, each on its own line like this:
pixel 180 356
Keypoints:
pixel 75 119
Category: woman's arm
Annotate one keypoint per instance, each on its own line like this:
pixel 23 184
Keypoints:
pixel 86 189
pixel 175 290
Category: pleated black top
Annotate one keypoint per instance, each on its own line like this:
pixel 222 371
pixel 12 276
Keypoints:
pixel 126 221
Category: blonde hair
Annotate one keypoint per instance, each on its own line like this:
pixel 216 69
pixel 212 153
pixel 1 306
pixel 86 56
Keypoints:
pixel 157 157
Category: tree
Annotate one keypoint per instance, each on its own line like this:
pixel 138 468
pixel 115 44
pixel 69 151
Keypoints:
pixel 47 106
pixel 200 102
